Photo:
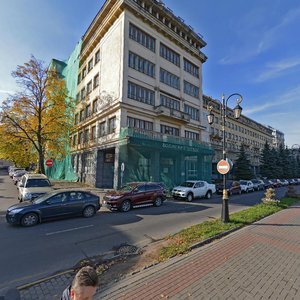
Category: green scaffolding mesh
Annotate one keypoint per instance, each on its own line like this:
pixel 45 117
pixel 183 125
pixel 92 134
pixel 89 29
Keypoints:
pixel 151 156
pixel 63 169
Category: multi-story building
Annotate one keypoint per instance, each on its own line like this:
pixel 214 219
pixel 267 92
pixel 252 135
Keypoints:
pixel 139 113
pixel 244 130
pixel 278 137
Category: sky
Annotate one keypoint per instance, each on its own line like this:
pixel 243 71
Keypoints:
pixel 253 48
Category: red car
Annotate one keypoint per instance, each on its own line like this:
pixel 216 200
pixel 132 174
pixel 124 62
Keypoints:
pixel 135 194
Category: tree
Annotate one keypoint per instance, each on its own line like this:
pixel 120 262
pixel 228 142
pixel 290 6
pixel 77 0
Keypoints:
pixel 39 115
pixel 266 162
pixel 242 165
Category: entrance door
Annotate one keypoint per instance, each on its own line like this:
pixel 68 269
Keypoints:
pixel 191 168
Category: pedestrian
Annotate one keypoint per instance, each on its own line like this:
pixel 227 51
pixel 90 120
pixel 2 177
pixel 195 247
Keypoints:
pixel 84 285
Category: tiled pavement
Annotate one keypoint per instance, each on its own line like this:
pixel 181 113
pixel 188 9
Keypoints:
pixel 260 261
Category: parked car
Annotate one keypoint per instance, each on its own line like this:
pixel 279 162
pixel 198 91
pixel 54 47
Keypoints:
pixel 135 194
pixel 233 187
pixel 258 184
pixel 56 204
pixel 33 185
pixel 267 184
pixel 275 183
pixel 14 169
pixel 193 189
pixel 18 175
pixel 246 186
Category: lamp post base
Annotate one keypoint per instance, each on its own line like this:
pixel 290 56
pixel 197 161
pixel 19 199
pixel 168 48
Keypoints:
pixel 225 209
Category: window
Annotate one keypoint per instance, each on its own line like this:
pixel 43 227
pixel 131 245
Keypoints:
pixel 90 65
pixel 80 138
pixel 88 111
pixel 83 72
pixel 93 133
pixel 86 135
pixel 137 123
pixel 74 139
pixel 95 105
pixel 140 64
pixel 112 125
pixel 169 79
pixel 191 89
pixel 81 117
pixel 141 94
pixel 169 130
pixel 82 94
pixel 97 56
pixel 193 112
pixel 191 68
pixel 192 135
pixel 76 119
pixel 169 55
pixel 169 102
pixel 89 87
pixel 96 81
pixel 141 37
pixel 101 129
pixel 79 78
pixel 77 97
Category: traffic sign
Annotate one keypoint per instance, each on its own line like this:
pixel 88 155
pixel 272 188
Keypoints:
pixel 223 166
pixel 49 163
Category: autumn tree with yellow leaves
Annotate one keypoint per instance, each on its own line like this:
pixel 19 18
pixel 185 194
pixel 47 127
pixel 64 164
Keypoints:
pixel 37 120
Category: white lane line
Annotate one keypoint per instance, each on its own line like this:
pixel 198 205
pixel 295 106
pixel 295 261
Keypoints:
pixel 67 230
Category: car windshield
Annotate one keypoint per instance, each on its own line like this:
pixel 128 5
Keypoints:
pixel 187 184
pixel 37 183
pixel 127 188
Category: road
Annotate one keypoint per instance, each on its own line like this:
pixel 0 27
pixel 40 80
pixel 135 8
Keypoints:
pixel 28 254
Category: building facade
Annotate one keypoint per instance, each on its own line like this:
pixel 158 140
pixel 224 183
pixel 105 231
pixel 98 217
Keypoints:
pixel 242 131
pixel 139 110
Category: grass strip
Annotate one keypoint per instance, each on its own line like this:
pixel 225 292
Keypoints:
pixel 182 241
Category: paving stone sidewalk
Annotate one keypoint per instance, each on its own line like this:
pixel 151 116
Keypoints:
pixel 260 261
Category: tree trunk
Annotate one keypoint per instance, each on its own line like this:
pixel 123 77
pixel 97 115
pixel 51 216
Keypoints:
pixel 41 163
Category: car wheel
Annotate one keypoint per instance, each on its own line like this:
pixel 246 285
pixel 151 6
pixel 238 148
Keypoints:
pixel 29 219
pixel 208 195
pixel 247 191
pixel 157 202
pixel 190 197
pixel 125 206
pixel 89 211
pixel 240 192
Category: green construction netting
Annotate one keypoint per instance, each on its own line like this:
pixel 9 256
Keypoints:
pixel 63 169
pixel 150 156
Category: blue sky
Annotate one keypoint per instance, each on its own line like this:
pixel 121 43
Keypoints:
pixel 253 48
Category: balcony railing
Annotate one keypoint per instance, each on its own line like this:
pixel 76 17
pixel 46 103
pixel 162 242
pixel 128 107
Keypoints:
pixel 172 113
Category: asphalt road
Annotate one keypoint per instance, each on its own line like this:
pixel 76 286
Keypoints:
pixel 28 254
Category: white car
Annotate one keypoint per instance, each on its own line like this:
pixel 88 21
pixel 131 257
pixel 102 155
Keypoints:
pixel 193 189
pixel 246 186
pixel 33 185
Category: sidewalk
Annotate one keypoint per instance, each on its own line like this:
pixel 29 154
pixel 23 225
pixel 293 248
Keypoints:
pixel 260 261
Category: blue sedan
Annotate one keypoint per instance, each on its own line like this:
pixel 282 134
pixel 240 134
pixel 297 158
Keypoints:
pixel 57 204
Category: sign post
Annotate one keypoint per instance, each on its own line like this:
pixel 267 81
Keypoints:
pixel 122 172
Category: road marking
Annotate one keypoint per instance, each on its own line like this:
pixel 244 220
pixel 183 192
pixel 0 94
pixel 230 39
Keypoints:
pixel 67 230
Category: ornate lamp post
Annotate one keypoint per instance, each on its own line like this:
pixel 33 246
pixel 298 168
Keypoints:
pixel 237 113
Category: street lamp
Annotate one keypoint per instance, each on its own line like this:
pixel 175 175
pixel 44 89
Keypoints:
pixel 237 113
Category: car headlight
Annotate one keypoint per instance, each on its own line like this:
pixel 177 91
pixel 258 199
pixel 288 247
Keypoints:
pixel 27 196
pixel 16 210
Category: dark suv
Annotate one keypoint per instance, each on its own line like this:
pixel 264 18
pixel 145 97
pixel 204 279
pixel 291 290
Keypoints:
pixel 135 194
pixel 233 187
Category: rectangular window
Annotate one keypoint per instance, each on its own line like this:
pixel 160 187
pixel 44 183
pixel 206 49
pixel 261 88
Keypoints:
pixel 112 125
pixel 141 94
pixel 78 97
pixel 88 111
pixel 82 94
pixel 101 129
pixel 89 87
pixel 93 133
pixel 79 78
pixel 191 89
pixel 96 81
pixel 95 106
pixel 169 102
pixel 74 139
pixel 76 119
pixel 141 37
pixel 90 65
pixel 97 57
pixel 81 118
pixel 169 130
pixel 80 138
pixel 137 123
pixel 86 136
pixel 141 64
pixel 169 55
pixel 192 135
pixel 191 68
pixel 83 72
pixel 193 112
pixel 169 79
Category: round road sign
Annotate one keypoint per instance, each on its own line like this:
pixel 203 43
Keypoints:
pixel 223 166
pixel 49 162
